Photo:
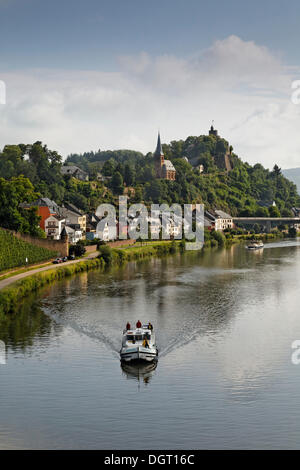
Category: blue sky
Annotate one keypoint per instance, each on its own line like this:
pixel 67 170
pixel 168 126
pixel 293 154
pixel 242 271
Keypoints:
pixel 92 74
pixel 90 34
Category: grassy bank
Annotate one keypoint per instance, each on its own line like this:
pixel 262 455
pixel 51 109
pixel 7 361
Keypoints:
pixel 220 239
pixel 117 257
pixel 11 296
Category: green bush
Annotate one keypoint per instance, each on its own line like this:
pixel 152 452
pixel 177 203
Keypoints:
pixel 78 249
pixel 292 232
pixel 105 252
pixel 214 243
pixel 219 237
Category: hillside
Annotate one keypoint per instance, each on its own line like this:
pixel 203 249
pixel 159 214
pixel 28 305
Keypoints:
pixel 13 252
pixel 207 171
pixel 293 174
pixel 244 190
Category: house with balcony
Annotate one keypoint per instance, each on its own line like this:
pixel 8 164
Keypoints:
pixel 53 226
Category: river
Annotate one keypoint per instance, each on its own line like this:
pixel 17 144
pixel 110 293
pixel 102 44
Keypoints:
pixel 225 321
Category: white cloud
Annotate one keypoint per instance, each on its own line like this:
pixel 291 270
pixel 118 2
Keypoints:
pixel 242 85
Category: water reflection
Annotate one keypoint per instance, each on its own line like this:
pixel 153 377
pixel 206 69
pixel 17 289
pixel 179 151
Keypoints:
pixel 185 296
pixel 139 371
pixel 224 322
pixel 20 330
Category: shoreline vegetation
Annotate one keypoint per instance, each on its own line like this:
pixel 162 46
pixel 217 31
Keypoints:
pixel 11 296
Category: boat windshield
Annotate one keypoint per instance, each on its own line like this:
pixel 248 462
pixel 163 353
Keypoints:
pixel 138 337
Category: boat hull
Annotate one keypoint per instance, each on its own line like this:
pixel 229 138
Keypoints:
pixel 138 354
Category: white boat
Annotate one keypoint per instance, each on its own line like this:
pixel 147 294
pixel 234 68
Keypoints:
pixel 255 245
pixel 139 344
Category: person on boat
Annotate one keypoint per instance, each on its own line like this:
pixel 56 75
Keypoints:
pixel 145 343
pixel 128 326
pixel 138 324
pixel 150 326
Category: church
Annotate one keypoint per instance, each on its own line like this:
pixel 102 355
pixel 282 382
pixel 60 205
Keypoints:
pixel 163 168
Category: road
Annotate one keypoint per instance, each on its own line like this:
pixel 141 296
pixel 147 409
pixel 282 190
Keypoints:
pixel 17 277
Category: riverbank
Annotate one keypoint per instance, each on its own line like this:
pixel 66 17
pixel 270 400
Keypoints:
pixel 223 239
pixel 13 289
pixel 16 287
pixel 12 294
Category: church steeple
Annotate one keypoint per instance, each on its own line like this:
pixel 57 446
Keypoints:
pixel 159 151
pixel 159 158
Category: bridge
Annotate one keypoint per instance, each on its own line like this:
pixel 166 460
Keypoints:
pixel 266 222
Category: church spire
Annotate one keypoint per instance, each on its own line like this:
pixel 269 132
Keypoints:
pixel 159 151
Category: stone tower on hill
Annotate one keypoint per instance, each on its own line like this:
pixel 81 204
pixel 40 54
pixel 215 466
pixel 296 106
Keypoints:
pixel 222 156
pixel 213 131
pixel 163 168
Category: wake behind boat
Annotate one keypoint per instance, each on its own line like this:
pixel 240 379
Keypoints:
pixel 255 245
pixel 138 344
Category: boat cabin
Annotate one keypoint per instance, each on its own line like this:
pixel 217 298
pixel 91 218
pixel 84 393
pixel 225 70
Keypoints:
pixel 138 335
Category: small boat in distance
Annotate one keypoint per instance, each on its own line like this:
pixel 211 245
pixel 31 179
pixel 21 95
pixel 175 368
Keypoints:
pixel 255 245
pixel 138 344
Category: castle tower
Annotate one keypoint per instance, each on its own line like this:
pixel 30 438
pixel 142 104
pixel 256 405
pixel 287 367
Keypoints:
pixel 64 234
pixel 159 158
pixel 64 238
pixel 213 131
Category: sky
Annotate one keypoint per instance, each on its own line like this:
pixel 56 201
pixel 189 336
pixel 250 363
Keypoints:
pixel 94 74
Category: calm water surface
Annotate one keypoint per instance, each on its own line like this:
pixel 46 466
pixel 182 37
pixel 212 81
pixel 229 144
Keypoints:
pixel 225 321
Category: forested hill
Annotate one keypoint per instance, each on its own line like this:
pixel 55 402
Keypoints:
pixel 245 190
pixel 31 171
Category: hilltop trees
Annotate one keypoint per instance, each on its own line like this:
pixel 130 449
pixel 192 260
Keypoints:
pixel 117 183
pixel 129 175
pixel 12 193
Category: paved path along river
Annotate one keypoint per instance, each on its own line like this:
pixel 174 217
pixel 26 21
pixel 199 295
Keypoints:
pixel 6 282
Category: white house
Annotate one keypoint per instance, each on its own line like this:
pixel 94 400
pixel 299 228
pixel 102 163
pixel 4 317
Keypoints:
pixel 53 226
pixel 74 233
pixel 173 226
pixel 109 233
pixel 220 219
